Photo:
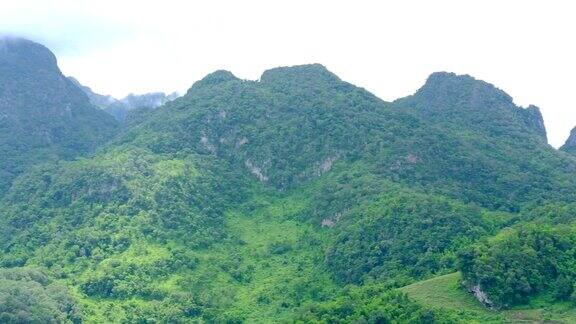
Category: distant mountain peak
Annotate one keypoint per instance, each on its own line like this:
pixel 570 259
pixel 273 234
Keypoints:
pixel 215 78
pixel 121 108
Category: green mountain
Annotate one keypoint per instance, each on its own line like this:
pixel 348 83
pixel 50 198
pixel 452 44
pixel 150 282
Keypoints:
pixel 490 140
pixel 296 198
pixel 43 116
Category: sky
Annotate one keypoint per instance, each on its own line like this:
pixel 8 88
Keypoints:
pixel 526 48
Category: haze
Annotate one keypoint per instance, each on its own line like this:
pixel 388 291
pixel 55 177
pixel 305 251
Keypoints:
pixel 524 47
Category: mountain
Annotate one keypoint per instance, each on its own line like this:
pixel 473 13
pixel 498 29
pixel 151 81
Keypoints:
pixel 179 201
pixel 123 109
pixel 297 198
pixel 43 116
pixel 570 145
pixel 493 139
pixel 461 101
pixel 129 108
pixel 321 121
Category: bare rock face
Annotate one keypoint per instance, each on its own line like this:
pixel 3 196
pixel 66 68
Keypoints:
pixel 205 141
pixel 325 165
pixel 255 170
pixel 332 220
pixel 481 296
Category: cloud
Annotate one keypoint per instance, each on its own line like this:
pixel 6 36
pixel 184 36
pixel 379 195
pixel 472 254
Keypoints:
pixel 65 27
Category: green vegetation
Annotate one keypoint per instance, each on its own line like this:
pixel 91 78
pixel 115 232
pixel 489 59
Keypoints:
pixel 362 305
pixel 295 198
pixel 446 293
pixel 521 263
pixel 27 295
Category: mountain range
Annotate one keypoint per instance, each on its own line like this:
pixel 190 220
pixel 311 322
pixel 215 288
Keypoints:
pixel 121 109
pixel 295 198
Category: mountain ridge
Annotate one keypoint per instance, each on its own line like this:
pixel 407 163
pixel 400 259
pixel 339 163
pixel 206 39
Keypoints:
pixel 298 197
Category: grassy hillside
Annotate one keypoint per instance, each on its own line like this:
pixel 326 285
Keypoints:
pixel 445 292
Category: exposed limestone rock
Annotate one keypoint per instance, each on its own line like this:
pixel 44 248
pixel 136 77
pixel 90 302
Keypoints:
pixel 331 221
pixel 412 158
pixel 205 141
pixel 325 165
pixel 241 142
pixel 256 171
pixel 481 296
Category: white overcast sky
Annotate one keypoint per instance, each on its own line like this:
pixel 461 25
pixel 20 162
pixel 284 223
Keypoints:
pixel 527 48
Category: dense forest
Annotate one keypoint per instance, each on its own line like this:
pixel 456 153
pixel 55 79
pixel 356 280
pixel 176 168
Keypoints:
pixel 297 198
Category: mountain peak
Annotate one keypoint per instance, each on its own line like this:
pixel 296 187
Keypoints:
pixel 25 54
pixel 44 115
pixel 299 73
pixel 462 100
pixel 215 78
pixel 534 120
pixel 448 83
pixel 218 76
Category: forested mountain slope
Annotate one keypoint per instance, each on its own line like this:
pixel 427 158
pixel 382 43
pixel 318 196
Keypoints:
pixel 298 197
pixel 494 139
pixel 457 136
pixel 43 116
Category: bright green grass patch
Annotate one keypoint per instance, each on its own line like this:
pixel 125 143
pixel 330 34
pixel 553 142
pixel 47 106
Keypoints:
pixel 445 292
pixel 170 168
pixel 272 265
